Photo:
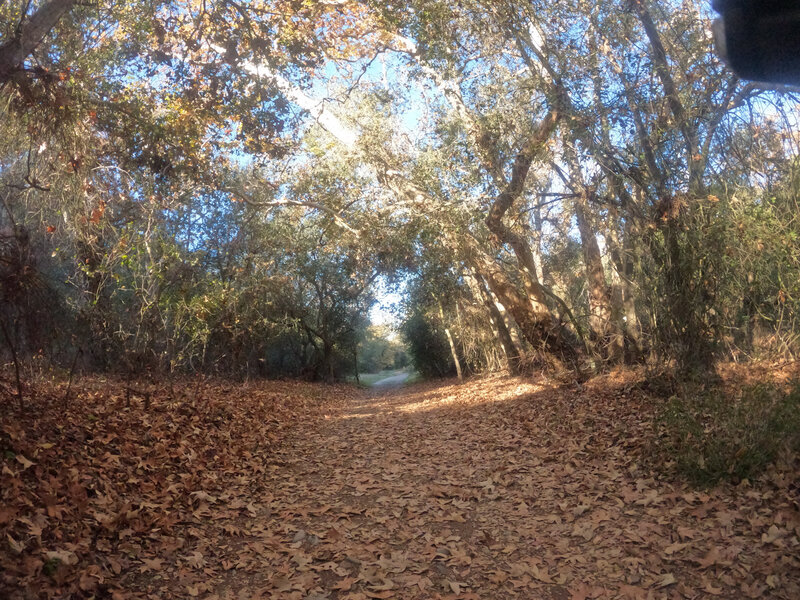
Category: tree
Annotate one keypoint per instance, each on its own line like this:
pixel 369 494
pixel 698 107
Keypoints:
pixel 221 182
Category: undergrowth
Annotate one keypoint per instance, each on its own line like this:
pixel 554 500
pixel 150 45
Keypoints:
pixel 708 436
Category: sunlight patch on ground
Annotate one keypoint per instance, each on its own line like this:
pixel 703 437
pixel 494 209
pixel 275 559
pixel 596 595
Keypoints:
pixel 367 415
pixel 455 400
pixel 491 390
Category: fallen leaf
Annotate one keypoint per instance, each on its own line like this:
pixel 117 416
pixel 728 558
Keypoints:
pixel 666 580
pixel 151 564
pixel 26 464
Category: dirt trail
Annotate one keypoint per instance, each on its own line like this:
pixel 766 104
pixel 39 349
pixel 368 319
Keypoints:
pixel 393 381
pixel 502 489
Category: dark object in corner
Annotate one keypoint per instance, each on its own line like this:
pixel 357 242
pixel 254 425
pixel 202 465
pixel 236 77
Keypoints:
pixel 760 39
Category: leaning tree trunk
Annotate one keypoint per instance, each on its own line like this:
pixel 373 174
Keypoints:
pixel 535 320
pixel 29 35
pixel 540 330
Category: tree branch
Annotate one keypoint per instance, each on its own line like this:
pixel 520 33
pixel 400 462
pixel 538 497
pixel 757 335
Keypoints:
pixel 248 199
pixel 668 83
pixel 452 93
pixel 14 52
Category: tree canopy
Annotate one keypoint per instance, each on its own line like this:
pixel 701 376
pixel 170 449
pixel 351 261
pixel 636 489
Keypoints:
pixel 217 186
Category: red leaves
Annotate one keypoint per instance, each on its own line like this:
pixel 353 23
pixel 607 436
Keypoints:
pixel 98 212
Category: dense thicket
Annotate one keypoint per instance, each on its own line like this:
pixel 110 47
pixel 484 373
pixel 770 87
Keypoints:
pixel 216 186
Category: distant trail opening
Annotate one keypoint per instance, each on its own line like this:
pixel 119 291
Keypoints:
pixel 393 381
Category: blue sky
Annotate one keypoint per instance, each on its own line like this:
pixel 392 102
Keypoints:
pixel 388 297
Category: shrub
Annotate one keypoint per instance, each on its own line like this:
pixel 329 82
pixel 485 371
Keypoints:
pixel 709 437
pixel 427 346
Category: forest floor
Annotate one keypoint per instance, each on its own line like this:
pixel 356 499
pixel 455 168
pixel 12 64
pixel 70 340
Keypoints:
pixel 496 488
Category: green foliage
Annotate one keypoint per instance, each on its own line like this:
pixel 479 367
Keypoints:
pixel 427 347
pixel 759 278
pixel 709 436
pixel 50 566
pixel 241 292
pixel 380 351
pixel 723 277
pixel 680 283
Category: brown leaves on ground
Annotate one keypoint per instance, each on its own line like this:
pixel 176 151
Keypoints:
pixel 498 488
pixel 98 499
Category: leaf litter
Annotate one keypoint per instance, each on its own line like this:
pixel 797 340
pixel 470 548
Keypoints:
pixel 497 488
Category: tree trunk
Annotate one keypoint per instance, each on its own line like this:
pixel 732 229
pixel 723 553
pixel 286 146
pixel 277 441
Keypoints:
pixel 623 304
pixel 539 329
pixel 327 361
pixel 15 359
pixel 537 246
pixel 685 288
pixel 501 331
pixel 453 350
pixel 537 323
pixel 14 52
pixel 507 320
pixel 605 335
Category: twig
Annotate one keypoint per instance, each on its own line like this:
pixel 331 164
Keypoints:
pixel 78 352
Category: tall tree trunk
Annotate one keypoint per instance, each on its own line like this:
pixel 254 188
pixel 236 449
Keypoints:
pixel 537 246
pixel 507 320
pixel 613 296
pixel 327 361
pixel 15 359
pixel 606 337
pixel 453 351
pixel 685 289
pixel 355 366
pixel 506 199
pixel 539 329
pixel 624 306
